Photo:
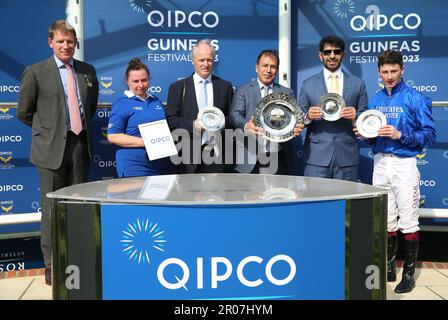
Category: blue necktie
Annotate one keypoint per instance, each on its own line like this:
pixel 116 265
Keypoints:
pixel 203 97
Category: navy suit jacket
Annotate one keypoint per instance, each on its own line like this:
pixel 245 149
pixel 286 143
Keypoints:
pixel 327 138
pixel 182 107
pixel 242 109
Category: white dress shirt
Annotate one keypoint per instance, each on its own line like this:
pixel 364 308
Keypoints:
pixel 261 85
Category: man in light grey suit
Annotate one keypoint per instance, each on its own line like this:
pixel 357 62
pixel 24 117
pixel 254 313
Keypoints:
pixel 58 97
pixel 331 149
pixel 242 110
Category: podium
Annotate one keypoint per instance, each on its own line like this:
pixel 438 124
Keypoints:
pixel 219 236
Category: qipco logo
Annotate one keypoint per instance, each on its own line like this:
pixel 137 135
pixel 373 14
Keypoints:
pixel 10 138
pixel 427 183
pixel 11 187
pixel 36 206
pixel 176 19
pixel 103 113
pixel 155 89
pixel 377 21
pixel 422 88
pixel 224 264
pixel 104 163
pixel 161 140
pixel 8 88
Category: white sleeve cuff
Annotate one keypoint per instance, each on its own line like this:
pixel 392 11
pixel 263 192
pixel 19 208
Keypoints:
pixel 245 127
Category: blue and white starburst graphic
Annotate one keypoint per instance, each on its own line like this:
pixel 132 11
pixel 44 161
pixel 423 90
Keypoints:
pixel 139 5
pixel 342 8
pixel 140 237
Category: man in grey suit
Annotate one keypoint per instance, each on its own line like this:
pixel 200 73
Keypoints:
pixel 242 110
pixel 331 149
pixel 58 97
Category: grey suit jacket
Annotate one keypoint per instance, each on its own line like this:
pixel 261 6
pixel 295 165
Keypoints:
pixel 242 109
pixel 325 138
pixel 42 106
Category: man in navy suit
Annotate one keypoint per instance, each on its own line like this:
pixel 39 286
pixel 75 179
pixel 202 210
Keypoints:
pixel 185 101
pixel 331 148
pixel 242 110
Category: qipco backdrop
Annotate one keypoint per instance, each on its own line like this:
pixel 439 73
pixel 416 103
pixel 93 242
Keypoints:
pixel 160 33
pixel 415 28
pixel 24 26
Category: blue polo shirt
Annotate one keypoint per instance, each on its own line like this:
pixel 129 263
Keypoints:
pixel 127 113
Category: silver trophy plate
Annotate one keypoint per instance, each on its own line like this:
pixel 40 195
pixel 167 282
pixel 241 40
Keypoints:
pixel 278 114
pixel 369 122
pixel 212 119
pixel 331 106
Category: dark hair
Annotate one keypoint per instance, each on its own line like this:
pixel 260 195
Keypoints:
pixel 390 57
pixel 61 26
pixel 269 52
pixel 332 41
pixel 135 64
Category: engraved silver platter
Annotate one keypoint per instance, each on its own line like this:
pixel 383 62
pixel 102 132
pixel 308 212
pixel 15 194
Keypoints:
pixel 278 114
pixel 331 106
pixel 369 122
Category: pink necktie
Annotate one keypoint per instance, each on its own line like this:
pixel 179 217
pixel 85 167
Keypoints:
pixel 73 104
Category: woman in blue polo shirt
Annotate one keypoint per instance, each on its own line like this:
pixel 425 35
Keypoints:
pixel 135 107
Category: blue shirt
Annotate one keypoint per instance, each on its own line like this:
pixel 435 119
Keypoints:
pixel 127 113
pixel 63 74
pixel 409 112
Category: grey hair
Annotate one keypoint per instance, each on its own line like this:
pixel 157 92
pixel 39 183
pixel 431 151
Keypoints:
pixel 204 41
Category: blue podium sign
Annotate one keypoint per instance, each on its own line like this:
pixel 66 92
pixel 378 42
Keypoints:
pixel 224 252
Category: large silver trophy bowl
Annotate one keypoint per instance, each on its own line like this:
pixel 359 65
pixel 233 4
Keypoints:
pixel 331 106
pixel 278 114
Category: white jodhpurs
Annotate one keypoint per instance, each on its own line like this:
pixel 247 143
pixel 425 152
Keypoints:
pixel 402 178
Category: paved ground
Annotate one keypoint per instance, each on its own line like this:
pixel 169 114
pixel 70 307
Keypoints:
pixel 431 284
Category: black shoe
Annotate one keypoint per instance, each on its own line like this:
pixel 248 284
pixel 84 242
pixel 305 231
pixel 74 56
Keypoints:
pixel 391 273
pixel 406 284
pixel 48 276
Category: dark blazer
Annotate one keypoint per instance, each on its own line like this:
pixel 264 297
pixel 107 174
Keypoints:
pixel 42 106
pixel 182 108
pixel 325 138
pixel 242 109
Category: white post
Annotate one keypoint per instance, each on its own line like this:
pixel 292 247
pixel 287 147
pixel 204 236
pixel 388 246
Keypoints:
pixel 74 12
pixel 284 42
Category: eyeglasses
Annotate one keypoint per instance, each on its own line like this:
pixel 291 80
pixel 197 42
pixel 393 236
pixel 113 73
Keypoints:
pixel 335 51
